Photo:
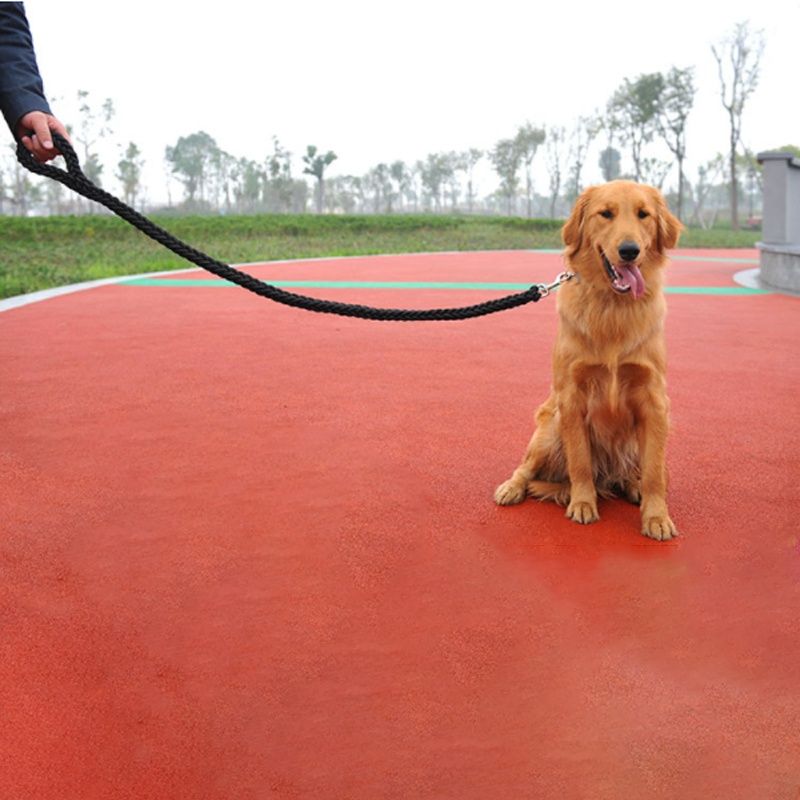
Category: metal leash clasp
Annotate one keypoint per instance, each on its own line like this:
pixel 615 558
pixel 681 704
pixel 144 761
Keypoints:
pixel 563 277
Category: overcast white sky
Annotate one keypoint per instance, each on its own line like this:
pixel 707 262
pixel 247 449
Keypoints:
pixel 378 82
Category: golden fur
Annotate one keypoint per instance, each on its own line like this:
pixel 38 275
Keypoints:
pixel 603 429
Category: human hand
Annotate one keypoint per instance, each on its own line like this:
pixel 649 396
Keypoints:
pixel 33 130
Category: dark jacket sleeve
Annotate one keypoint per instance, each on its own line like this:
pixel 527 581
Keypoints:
pixel 21 87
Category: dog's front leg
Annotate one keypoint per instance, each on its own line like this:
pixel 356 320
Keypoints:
pixel 652 426
pixel 575 438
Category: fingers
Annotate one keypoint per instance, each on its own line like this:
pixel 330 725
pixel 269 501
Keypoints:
pixel 35 145
pixel 35 134
pixel 41 131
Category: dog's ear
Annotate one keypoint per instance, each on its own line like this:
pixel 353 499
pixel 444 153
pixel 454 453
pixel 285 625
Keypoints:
pixel 669 226
pixel 572 232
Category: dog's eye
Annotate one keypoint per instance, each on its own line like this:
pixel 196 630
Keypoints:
pixel 643 214
pixel 607 214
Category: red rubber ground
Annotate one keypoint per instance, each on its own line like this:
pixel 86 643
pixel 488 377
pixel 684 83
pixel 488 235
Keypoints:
pixel 250 552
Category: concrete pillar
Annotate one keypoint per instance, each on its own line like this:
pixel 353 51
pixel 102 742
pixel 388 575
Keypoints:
pixel 780 248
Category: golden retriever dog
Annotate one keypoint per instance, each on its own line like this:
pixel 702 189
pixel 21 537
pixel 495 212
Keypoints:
pixel 603 429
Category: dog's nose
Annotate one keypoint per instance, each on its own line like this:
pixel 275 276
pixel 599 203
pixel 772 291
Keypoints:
pixel 628 251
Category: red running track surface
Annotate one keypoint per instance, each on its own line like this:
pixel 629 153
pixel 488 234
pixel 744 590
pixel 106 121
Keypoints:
pixel 250 552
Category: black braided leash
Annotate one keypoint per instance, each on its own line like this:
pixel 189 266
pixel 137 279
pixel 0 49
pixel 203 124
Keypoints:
pixel 78 182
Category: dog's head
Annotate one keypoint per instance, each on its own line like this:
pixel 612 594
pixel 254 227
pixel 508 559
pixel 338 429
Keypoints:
pixel 617 235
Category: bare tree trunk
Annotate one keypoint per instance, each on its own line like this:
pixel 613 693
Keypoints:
pixel 528 192
pixel 636 154
pixel 744 49
pixel 734 187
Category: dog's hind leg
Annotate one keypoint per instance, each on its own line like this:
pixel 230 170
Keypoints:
pixel 547 490
pixel 515 489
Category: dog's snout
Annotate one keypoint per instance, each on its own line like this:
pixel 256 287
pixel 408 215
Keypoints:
pixel 628 251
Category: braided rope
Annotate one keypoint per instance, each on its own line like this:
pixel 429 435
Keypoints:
pixel 74 179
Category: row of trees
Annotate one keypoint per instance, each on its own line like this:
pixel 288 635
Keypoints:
pixel 645 119
pixel 213 178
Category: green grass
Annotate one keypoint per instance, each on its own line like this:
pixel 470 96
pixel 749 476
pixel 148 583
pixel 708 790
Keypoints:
pixel 39 253
pixel 719 237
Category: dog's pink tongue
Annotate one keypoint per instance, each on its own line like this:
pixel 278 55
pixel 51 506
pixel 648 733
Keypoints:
pixel 631 275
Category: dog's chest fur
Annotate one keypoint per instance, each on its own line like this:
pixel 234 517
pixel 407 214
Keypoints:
pixel 610 377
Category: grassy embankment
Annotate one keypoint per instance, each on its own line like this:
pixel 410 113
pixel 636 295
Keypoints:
pixel 39 253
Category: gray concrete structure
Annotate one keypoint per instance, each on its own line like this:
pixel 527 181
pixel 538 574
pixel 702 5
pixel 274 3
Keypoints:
pixel 780 249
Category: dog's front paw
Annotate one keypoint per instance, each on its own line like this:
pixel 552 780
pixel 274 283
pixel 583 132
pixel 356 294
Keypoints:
pixel 510 492
pixel 660 527
pixel 583 511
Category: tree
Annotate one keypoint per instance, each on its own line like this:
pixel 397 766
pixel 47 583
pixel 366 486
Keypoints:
pixel 55 198
pixel 279 184
pixel 584 132
pixel 610 163
pixel 527 142
pixel 400 174
pixel 434 171
pixel 415 185
pixel 129 173
pixel 789 148
pixel 707 175
pixel 554 152
pixel 371 192
pixel 283 192
pixel 456 162
pixel 738 60
pixel 315 166
pixel 753 175
pixel 190 159
pixel 94 125
pixel 25 193
pixel 250 181
pixel 168 177
pixel 677 99
pixel 472 157
pixel 360 193
pixel 298 197
pixel 505 158
pixel 633 109
pixel 378 182
pixel 341 194
pixel 17 189
pixel 655 171
pixel 224 175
